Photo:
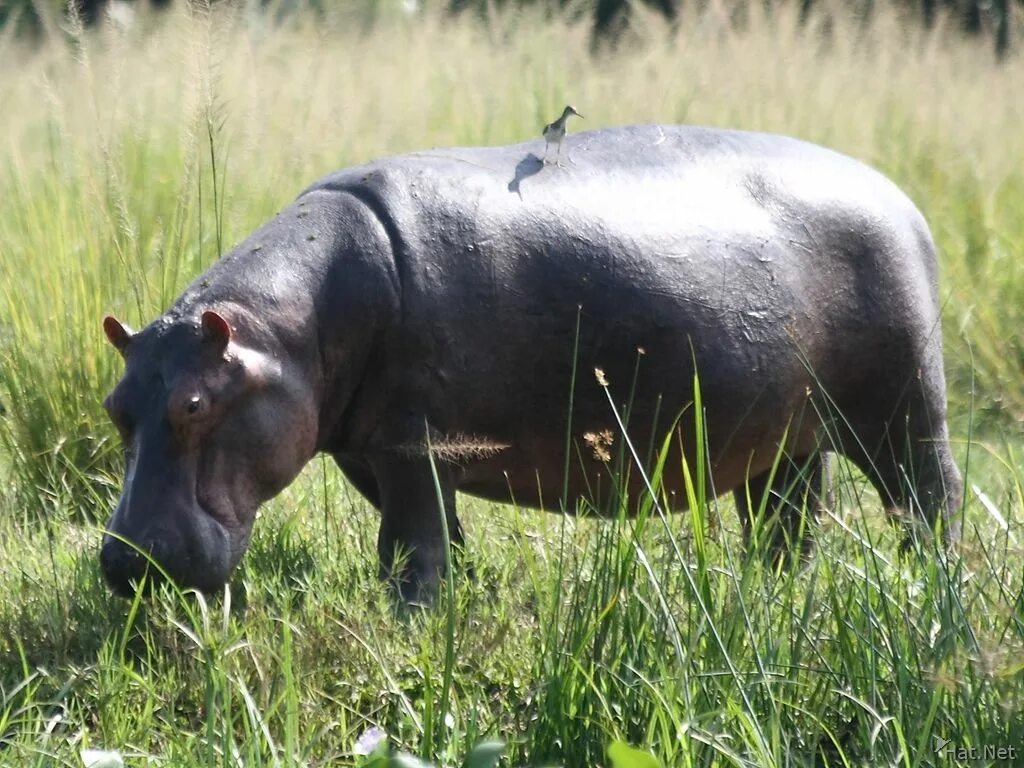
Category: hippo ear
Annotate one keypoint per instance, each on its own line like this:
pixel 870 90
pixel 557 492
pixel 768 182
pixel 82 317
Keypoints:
pixel 216 330
pixel 118 334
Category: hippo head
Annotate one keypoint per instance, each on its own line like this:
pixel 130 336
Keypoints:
pixel 213 423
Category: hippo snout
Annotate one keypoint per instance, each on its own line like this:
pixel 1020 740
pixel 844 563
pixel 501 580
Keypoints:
pixel 124 564
pixel 194 558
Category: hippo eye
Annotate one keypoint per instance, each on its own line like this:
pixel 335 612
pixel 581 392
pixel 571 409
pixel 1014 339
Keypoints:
pixel 193 405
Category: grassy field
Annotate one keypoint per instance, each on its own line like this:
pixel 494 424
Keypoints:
pixel 132 158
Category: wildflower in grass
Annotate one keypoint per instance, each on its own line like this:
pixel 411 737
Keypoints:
pixel 369 741
pixel 102 758
pixel 599 443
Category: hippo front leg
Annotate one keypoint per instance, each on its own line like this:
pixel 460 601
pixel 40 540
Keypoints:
pixel 359 474
pixel 797 486
pixel 411 540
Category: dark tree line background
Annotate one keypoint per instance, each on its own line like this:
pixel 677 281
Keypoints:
pixel 978 18
pixel 992 19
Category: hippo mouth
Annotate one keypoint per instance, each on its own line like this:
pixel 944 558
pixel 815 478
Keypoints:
pixel 195 552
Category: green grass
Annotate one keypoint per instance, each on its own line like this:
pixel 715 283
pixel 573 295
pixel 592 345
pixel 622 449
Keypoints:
pixel 133 158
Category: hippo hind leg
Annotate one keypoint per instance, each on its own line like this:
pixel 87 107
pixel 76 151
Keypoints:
pixel 909 462
pixel 772 506
pixel 411 540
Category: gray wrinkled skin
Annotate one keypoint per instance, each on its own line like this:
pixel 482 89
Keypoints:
pixel 437 294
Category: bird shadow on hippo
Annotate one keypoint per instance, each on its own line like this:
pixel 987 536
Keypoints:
pixel 417 299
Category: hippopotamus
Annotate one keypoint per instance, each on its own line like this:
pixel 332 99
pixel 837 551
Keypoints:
pixel 460 319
